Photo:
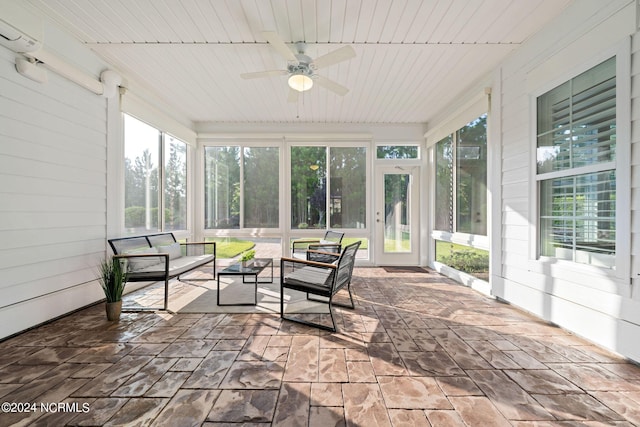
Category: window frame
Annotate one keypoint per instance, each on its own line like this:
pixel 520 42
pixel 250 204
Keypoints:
pixel 477 241
pixel 242 144
pixel 563 268
pixel 285 232
pixel 328 144
pixel 398 145
pixel 163 176
pixel 163 141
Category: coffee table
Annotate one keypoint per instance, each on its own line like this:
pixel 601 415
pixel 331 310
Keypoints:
pixel 250 268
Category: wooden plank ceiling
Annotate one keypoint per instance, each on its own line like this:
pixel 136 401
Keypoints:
pixel 413 57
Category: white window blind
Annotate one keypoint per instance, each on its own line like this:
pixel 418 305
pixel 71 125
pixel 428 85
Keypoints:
pixel 576 167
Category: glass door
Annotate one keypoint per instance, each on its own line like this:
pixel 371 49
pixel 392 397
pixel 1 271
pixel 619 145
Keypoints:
pixel 397 226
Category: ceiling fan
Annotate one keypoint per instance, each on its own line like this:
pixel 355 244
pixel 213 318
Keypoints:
pixel 302 68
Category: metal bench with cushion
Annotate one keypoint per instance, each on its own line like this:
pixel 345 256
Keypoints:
pixel 318 278
pixel 156 257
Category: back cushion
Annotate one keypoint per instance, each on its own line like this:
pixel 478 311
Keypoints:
pixel 173 250
pixel 136 264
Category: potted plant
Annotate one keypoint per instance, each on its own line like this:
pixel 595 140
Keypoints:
pixel 247 256
pixel 112 279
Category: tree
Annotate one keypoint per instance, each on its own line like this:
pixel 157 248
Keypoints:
pixel 141 190
pixel 308 171
pixel 175 187
pixel 261 187
pixel 222 187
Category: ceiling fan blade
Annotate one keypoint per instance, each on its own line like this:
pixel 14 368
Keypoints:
pixel 338 55
pixel 331 85
pixel 278 44
pixel 267 73
pixel 293 95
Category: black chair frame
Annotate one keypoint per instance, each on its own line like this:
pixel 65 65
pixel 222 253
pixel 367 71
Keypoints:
pixel 331 242
pixel 319 279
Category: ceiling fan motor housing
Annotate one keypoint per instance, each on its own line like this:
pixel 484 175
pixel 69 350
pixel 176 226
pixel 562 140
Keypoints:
pixel 304 66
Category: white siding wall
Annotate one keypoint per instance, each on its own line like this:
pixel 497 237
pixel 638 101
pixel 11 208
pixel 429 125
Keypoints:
pixel 599 307
pixel 52 197
pixel 635 166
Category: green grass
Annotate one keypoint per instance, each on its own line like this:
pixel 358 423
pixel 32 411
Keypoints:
pixel 230 247
pixel 444 249
pixel 346 241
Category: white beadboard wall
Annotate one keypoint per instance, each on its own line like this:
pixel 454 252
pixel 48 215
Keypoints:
pixel 597 307
pixel 52 197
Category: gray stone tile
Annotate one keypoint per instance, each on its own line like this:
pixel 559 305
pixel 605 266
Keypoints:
pixel 302 365
pixel 478 411
pixel 242 406
pixel 408 418
pixel 113 377
pixel 168 384
pixel 445 418
pixel 100 411
pixel 253 375
pixel 326 394
pixel 187 408
pixel 364 405
pixel 138 384
pixel 592 376
pixel 332 366
pixel 188 348
pixel 542 381
pixel 509 397
pixel 292 408
pixel 211 371
pixel 412 393
pixel 137 412
pixel 580 407
pixel 430 364
pixel 322 416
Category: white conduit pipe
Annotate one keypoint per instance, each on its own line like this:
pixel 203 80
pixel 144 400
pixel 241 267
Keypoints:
pixel 107 87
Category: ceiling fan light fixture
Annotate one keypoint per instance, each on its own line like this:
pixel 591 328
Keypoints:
pixel 300 82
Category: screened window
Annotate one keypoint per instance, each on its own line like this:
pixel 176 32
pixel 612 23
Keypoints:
pixel 341 203
pixel 347 189
pixel 242 187
pixel 175 184
pixel 155 176
pixel 222 187
pixel 461 180
pixel 398 152
pixel 576 153
pixel 444 185
pixel 261 187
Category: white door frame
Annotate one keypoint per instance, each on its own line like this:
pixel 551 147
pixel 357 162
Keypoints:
pixel 411 257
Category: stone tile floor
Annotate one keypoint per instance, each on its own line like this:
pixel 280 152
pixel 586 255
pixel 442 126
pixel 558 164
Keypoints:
pixel 418 350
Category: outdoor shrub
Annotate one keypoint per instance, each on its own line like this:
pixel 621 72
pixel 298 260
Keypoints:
pixel 467 261
pixel 134 216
